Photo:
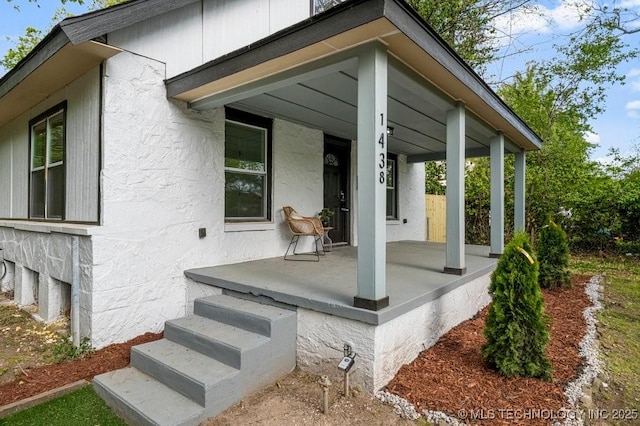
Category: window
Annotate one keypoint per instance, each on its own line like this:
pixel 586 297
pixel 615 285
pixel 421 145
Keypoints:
pixel 47 186
pixel 247 167
pixel 392 186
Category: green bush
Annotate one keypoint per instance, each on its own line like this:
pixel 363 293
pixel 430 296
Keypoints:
pixel 64 350
pixel 516 327
pixel 627 247
pixel 553 256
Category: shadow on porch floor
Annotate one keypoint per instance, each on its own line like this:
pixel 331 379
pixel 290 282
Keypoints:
pixel 414 277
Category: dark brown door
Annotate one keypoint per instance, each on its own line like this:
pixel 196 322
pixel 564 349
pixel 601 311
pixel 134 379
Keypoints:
pixel 337 155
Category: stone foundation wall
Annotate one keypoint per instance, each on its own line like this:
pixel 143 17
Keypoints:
pixel 40 257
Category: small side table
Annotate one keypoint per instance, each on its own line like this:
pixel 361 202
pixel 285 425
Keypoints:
pixel 326 240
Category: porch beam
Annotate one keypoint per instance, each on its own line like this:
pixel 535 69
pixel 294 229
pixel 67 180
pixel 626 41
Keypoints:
pixel 519 191
pixel 300 74
pixel 372 170
pixel 497 195
pixel 469 153
pixel 455 262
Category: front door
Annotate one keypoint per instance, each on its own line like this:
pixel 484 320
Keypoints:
pixel 337 155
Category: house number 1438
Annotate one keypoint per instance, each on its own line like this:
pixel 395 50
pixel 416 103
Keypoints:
pixel 383 162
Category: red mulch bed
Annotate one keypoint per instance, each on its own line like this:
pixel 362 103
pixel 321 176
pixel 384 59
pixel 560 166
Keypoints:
pixel 42 379
pixel 453 378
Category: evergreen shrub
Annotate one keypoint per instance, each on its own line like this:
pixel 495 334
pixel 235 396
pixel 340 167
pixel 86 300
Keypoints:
pixel 553 255
pixel 516 327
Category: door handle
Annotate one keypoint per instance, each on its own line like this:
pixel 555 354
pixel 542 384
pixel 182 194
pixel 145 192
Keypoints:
pixel 344 209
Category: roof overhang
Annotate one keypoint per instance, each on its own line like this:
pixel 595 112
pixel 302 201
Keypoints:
pixel 50 70
pixel 333 37
pixel 71 49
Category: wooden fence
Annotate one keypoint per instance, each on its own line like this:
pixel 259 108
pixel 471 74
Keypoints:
pixel 436 218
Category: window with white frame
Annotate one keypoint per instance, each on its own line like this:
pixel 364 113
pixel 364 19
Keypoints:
pixel 392 186
pixel 47 171
pixel 247 167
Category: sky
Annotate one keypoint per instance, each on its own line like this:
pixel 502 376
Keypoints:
pixel 538 29
pixel 550 23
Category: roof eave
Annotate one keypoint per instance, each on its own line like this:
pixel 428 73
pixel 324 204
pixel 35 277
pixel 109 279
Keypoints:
pixel 63 66
pixel 83 28
pixel 49 46
pixel 98 23
pixel 349 16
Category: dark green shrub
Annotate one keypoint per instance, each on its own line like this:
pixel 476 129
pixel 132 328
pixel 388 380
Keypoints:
pixel 516 326
pixel 553 256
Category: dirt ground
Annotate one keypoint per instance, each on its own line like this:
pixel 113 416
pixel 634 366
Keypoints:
pixel 449 377
pixel 297 400
pixel 25 343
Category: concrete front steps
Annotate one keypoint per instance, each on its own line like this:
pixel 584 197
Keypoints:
pixel 206 362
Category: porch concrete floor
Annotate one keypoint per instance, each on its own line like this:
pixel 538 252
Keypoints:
pixel 414 277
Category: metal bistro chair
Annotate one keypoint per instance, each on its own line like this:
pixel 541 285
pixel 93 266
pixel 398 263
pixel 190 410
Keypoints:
pixel 301 226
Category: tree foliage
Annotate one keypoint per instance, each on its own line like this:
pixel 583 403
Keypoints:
pixel 620 16
pixel 17 5
pixel 468 25
pixel 558 99
pixel 553 255
pixel 516 326
pixel 435 175
pixel 23 46
pixel 25 43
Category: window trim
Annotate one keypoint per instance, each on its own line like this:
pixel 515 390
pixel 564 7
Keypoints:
pixel 48 114
pixel 263 123
pixel 393 158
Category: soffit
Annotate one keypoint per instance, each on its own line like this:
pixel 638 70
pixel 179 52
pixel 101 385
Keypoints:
pixel 66 65
pixel 308 54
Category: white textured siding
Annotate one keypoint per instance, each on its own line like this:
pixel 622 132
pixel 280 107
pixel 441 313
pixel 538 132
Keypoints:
pixel 383 349
pixel 203 31
pixel 163 179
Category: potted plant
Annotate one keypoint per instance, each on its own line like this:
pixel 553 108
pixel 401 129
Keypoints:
pixel 325 216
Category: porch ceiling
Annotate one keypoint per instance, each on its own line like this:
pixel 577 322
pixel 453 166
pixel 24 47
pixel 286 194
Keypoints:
pixel 308 74
pixel 329 102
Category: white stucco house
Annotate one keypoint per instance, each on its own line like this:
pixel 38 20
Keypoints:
pixel 147 150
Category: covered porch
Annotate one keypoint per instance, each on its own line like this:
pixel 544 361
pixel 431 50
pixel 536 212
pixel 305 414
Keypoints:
pixel 413 275
pixel 373 72
pixel 424 303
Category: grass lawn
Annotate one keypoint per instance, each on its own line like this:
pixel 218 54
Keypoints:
pixel 80 408
pixel 619 326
